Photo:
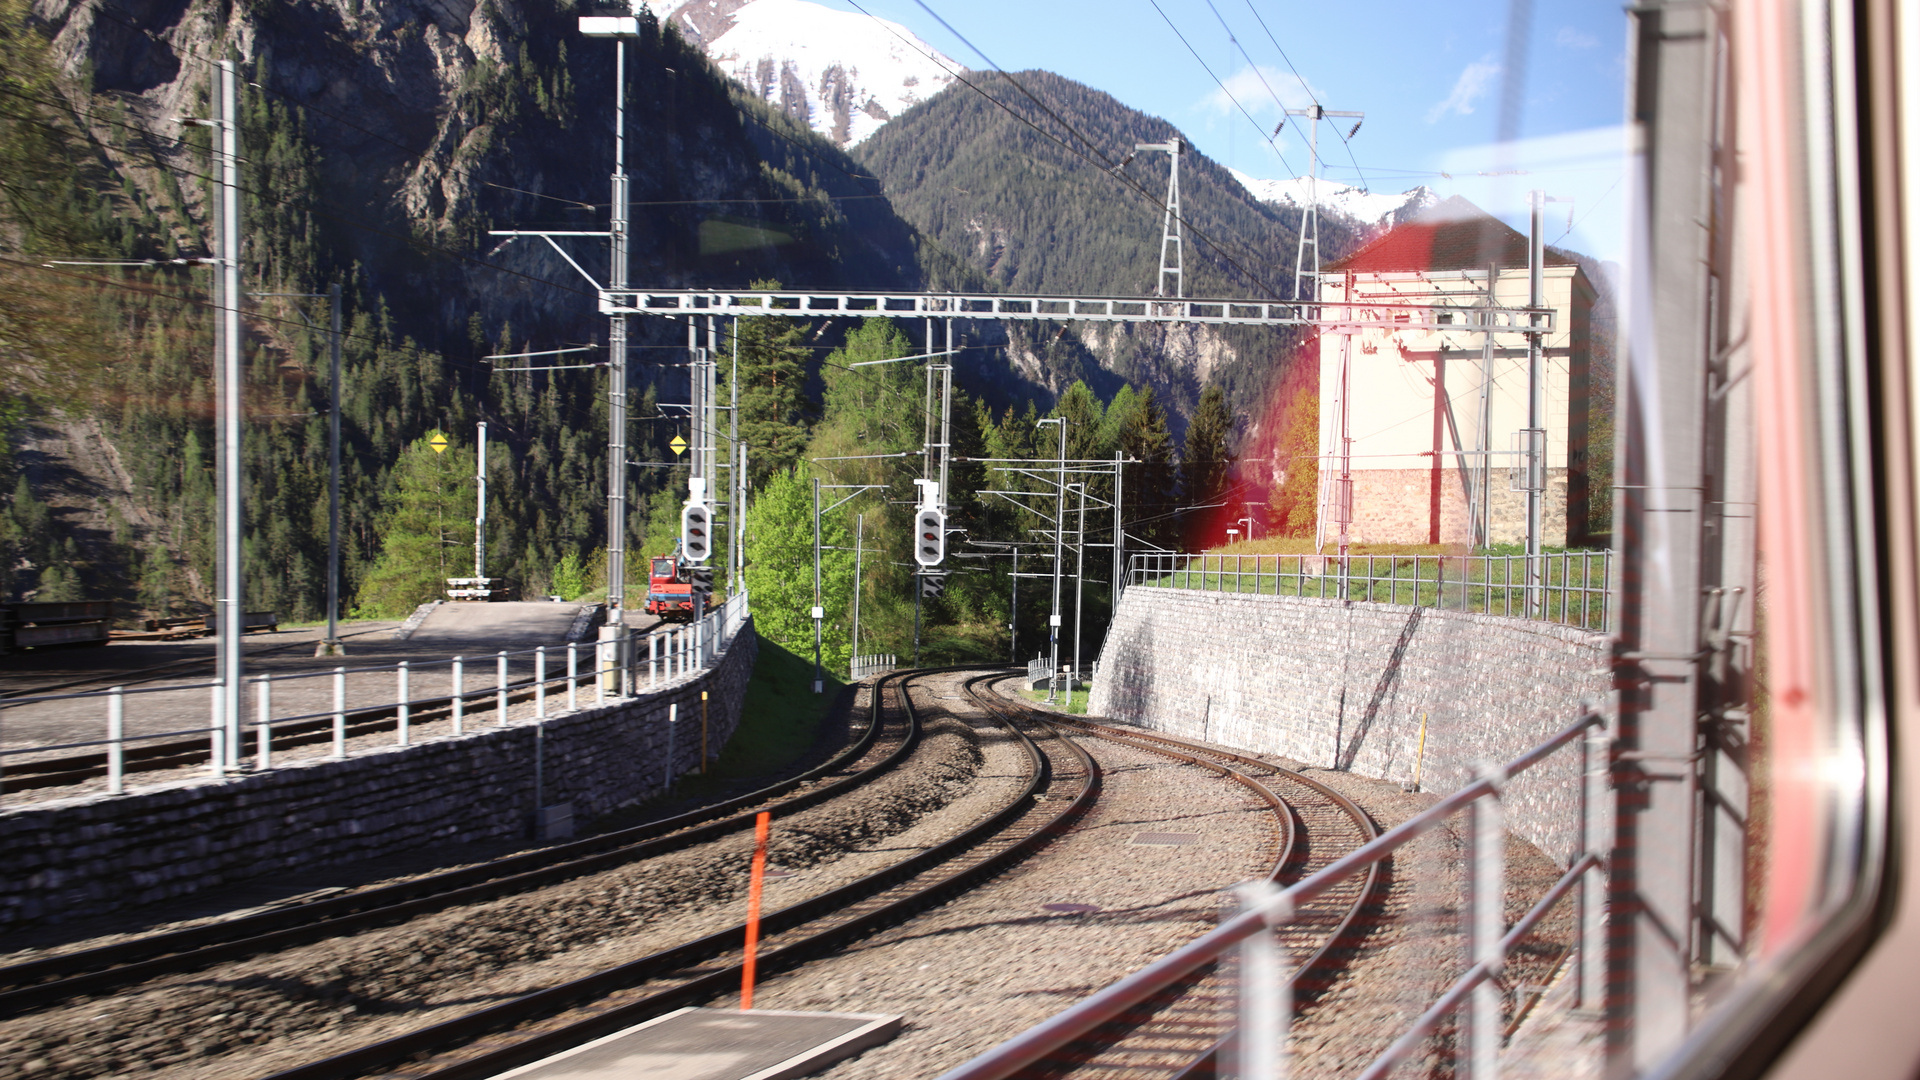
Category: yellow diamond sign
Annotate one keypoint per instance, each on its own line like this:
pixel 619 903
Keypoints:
pixel 438 442
pixel 679 445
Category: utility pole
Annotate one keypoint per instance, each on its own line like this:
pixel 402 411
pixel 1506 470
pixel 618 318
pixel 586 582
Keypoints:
pixel 230 608
pixel 1013 617
pixel 1119 584
pixel 617 357
pixel 859 540
pixel 1079 586
pixel 819 612
pixel 1310 221
pixel 1536 435
pixel 480 510
pixel 1059 556
pixel 737 511
pixel 331 645
pixel 1172 230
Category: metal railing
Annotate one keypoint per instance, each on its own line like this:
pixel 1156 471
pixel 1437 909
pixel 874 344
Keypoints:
pixel 611 668
pixel 1570 587
pixel 1259 1045
pixel 872 664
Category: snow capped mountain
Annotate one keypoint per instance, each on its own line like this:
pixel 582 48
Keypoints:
pixel 844 74
pixel 1369 207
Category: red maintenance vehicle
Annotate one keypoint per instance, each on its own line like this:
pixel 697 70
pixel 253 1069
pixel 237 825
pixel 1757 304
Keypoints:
pixel 670 587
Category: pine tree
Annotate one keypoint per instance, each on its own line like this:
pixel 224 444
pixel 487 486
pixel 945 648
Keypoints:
pixel 774 409
pixel 1147 494
pixel 1206 463
pixel 427 532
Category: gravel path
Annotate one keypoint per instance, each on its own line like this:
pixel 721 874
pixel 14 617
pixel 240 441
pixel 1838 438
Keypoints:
pixel 272 1012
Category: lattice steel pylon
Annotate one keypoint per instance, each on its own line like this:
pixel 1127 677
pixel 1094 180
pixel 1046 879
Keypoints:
pixel 1171 232
pixel 1310 221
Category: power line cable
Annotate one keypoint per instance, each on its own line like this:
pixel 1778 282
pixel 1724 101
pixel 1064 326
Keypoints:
pixel 1304 86
pixel 1223 86
pixel 1106 163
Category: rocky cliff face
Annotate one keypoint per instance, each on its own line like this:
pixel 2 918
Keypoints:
pixel 433 122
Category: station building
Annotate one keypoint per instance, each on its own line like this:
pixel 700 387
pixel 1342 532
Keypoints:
pixel 1433 419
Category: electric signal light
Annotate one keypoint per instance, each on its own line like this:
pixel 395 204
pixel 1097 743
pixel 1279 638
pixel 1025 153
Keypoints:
pixel 929 537
pixel 696 532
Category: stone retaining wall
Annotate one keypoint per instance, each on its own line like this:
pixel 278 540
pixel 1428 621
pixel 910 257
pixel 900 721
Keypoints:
pixel 85 856
pixel 1347 685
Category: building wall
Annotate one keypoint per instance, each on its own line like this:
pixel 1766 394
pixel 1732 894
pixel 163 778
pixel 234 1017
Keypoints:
pixel 1399 422
pixel 1349 686
pixel 85 856
pixel 1390 506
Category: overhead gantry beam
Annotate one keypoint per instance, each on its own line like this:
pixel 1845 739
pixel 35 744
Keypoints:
pixel 1366 313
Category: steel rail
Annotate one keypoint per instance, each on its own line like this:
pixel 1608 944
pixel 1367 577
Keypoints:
pixel 37 982
pixel 1410 1039
pixel 1206 1064
pixel 1043 1039
pixel 491 1060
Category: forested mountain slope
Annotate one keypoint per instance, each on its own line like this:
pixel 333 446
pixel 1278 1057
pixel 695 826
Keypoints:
pixel 1022 174
pixel 382 141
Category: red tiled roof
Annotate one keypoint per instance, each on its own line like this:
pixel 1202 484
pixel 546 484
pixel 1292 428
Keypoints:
pixel 1452 235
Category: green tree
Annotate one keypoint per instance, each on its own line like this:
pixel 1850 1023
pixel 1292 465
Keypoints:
pixel 774 408
pixel 1147 494
pixel 570 576
pixel 780 570
pixel 427 532
pixel 1293 508
pixel 1205 460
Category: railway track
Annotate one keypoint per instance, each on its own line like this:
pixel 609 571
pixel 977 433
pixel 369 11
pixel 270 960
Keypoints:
pixel 891 733
pixel 484 1042
pixel 1319 825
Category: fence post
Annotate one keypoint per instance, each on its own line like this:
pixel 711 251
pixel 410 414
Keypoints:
pixel 540 682
pixel 263 735
pixel 405 712
pixel 653 660
pixel 1595 761
pixel 339 713
pixel 1488 924
pixel 500 689
pixel 673 725
pixel 600 672
pixel 573 673
pixel 1266 1005
pixel 116 736
pixel 459 694
pixel 218 749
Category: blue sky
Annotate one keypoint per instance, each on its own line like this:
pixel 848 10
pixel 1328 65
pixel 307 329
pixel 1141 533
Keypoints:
pixel 1429 76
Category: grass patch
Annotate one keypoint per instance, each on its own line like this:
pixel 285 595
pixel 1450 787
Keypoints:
pixel 1076 701
pixel 778 722
pixel 959 643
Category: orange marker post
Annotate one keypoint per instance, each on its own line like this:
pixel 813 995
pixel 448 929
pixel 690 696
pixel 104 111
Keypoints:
pixel 753 908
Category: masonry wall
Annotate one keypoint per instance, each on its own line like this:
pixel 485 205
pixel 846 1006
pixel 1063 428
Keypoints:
pixel 1346 685
pixel 85 856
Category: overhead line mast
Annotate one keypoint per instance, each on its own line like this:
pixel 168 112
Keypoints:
pixel 1310 222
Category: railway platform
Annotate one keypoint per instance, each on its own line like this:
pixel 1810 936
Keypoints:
pixel 719 1044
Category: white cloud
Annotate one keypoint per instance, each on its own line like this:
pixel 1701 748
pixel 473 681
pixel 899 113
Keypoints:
pixel 1250 87
pixel 1469 88
pixel 1569 38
